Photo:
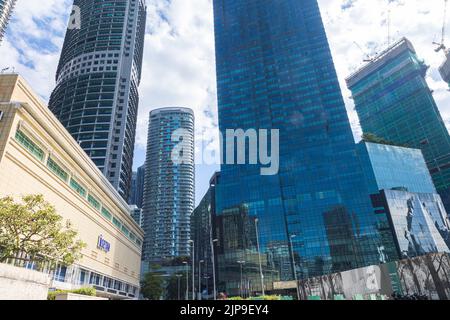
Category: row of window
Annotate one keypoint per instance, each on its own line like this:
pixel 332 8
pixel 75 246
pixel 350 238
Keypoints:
pixel 54 167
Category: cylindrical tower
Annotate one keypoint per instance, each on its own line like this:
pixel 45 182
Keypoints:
pixel 96 96
pixel 169 189
pixel 6 7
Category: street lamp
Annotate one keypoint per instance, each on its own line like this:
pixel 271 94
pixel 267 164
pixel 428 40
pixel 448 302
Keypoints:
pixel 293 265
pixel 213 260
pixel 241 263
pixel 199 279
pixel 178 285
pixel 193 268
pixel 259 257
pixel 187 279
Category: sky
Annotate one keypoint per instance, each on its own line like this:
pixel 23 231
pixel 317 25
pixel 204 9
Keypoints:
pixel 179 60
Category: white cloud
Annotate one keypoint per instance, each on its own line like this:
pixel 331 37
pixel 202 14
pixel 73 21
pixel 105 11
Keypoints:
pixel 365 22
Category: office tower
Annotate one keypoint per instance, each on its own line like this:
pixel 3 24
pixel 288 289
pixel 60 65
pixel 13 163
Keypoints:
pixel 275 71
pixel 401 187
pixel 169 184
pixel 6 7
pixel 96 96
pixel 394 102
pixel 137 187
pixel 203 232
pixel 136 214
pixel 131 200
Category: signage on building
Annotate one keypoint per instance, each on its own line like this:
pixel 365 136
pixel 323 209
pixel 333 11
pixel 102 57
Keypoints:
pixel 103 245
pixel 284 285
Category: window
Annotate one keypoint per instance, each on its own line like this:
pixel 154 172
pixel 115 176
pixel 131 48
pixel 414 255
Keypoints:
pixel 94 202
pixel 106 213
pixel 56 169
pixel 117 223
pixel 125 231
pixel 78 187
pixel 1 115
pixel 28 144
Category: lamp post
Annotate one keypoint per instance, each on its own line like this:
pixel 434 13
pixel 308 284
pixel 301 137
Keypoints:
pixel 241 263
pixel 200 279
pixel 206 277
pixel 187 280
pixel 178 285
pixel 193 268
pixel 259 257
pixel 293 265
pixel 213 260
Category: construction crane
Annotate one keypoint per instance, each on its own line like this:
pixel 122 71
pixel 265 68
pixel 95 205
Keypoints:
pixel 444 69
pixel 441 46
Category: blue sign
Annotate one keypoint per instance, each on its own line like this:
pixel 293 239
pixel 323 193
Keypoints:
pixel 103 245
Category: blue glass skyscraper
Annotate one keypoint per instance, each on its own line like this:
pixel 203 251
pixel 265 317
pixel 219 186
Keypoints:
pixel 275 71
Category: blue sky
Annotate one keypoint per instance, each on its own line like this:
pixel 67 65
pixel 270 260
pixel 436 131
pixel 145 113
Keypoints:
pixel 179 66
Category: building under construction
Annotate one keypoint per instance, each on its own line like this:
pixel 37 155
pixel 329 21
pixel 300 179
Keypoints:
pixel 444 69
pixel 394 102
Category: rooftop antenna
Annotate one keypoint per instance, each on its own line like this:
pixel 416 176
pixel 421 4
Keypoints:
pixel 367 57
pixel 441 46
pixel 389 24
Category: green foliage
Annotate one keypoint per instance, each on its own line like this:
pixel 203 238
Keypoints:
pixel 152 287
pixel 88 291
pixel 370 137
pixel 172 287
pixel 35 229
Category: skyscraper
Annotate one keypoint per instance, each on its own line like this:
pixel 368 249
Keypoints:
pixel 203 232
pixel 6 7
pixel 394 102
pixel 96 96
pixel 275 71
pixel 169 190
pixel 137 187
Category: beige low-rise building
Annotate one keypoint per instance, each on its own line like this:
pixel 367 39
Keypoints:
pixel 38 156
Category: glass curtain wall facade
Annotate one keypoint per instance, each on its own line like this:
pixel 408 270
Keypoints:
pixel 394 102
pixel 401 187
pixel 96 96
pixel 6 7
pixel 275 71
pixel 203 232
pixel 137 187
pixel 169 197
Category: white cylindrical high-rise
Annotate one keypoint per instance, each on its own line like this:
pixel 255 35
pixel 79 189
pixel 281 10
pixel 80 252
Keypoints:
pixel 169 190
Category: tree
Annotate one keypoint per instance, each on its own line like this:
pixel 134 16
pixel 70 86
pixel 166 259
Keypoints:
pixel 34 230
pixel 370 137
pixel 176 287
pixel 152 287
